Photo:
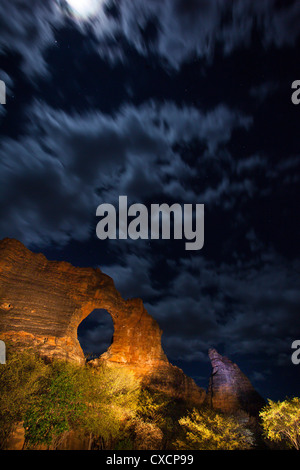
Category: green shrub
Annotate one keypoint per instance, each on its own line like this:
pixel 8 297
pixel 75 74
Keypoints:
pixel 53 399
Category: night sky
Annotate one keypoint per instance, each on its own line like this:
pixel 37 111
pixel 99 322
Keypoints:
pixel 164 101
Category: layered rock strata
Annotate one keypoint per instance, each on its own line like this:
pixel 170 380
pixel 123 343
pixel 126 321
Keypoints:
pixel 43 302
pixel 229 389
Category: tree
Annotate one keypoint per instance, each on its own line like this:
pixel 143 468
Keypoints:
pixel 55 398
pixel 56 405
pixel 153 406
pixel 19 381
pixel 156 424
pixel 151 422
pixel 112 395
pixel 281 421
pixel 206 429
pixel 93 402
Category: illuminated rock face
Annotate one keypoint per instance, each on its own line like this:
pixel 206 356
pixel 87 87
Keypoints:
pixel 43 302
pixel 229 389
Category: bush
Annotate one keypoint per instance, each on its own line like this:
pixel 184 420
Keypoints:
pixel 20 379
pixel 281 421
pixel 105 406
pixel 156 424
pixel 206 429
pixel 53 399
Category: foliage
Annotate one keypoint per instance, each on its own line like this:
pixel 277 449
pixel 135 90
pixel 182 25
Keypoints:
pixel 53 399
pixel 55 406
pixel 281 421
pixel 153 406
pixel 106 406
pixel 112 397
pixel 19 380
pixel 206 429
pixel 148 436
pixel 157 421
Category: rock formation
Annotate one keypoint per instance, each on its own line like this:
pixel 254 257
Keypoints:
pixel 229 389
pixel 43 302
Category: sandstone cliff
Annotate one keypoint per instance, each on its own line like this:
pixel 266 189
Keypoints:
pixel 43 302
pixel 229 389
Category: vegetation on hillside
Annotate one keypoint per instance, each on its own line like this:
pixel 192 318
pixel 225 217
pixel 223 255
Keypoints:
pixel 106 409
pixel 53 399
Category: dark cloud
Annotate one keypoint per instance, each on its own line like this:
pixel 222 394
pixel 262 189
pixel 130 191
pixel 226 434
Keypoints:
pixel 174 30
pixel 184 29
pixel 250 309
pixel 66 160
pixel 27 29
pixel 250 306
pixel 41 199
pixel 261 92
pixel 125 274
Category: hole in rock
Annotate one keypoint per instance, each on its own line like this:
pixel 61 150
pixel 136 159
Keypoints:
pixel 95 333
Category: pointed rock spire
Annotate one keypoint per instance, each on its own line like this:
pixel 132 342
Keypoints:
pixel 229 389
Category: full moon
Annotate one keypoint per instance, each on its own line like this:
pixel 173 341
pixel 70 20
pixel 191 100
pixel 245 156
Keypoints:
pixel 84 8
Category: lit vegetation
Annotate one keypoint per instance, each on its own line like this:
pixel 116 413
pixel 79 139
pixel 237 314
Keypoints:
pixel 54 399
pixel 105 408
pixel 281 421
pixel 208 430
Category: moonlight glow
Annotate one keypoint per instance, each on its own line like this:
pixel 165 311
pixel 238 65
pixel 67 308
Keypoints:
pixel 84 8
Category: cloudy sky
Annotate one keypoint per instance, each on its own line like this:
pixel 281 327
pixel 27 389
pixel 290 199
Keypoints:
pixel 164 101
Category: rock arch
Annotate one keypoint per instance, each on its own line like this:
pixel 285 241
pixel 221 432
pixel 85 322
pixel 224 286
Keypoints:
pixel 42 303
pixel 49 299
